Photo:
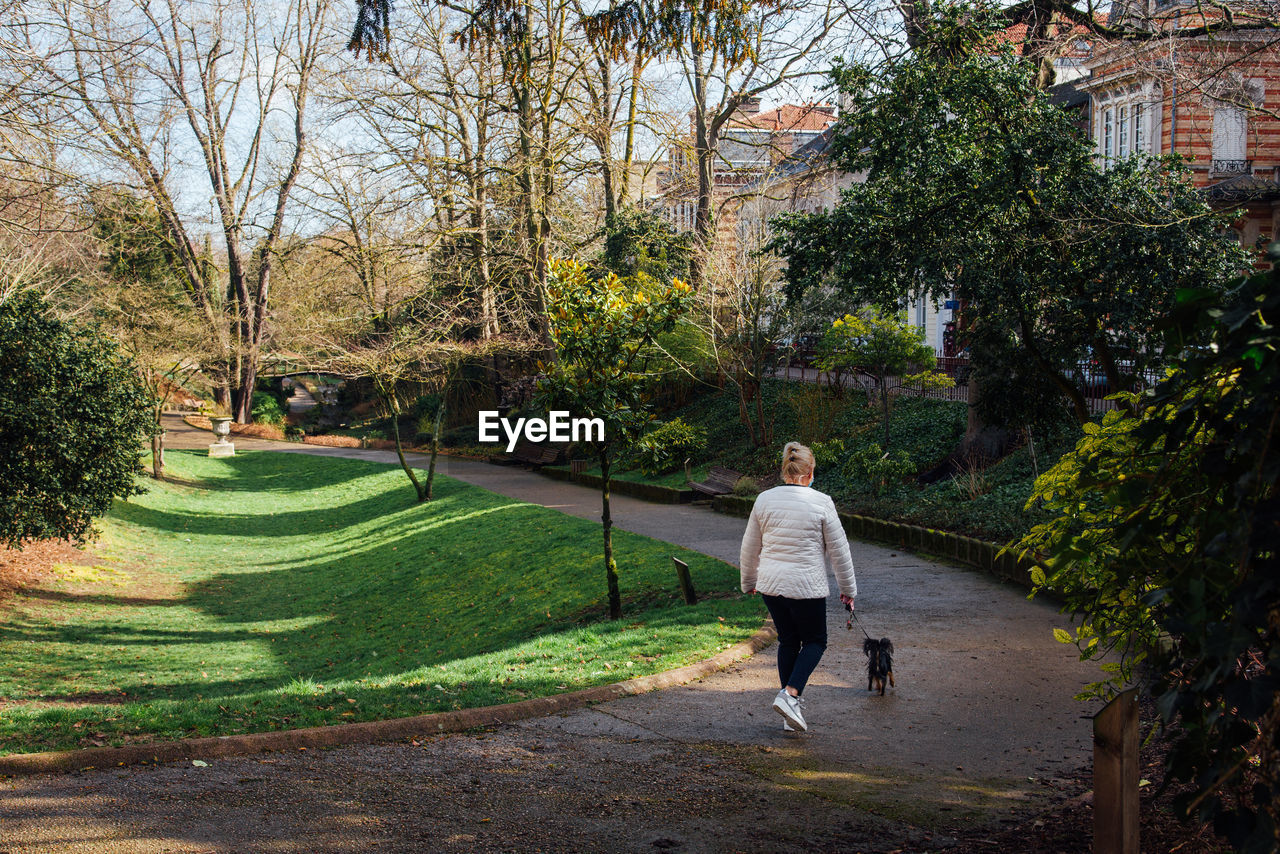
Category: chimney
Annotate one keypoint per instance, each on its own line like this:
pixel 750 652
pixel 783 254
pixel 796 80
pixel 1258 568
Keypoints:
pixel 825 109
pixel 750 106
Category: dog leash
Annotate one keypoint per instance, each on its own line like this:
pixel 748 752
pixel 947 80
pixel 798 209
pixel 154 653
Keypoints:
pixel 853 618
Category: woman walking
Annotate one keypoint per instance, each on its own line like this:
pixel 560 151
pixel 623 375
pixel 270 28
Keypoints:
pixel 792 531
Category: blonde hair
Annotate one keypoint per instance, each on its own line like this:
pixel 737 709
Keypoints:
pixel 797 461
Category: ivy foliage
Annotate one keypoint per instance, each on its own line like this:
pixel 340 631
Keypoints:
pixel 72 417
pixel 642 241
pixel 1166 539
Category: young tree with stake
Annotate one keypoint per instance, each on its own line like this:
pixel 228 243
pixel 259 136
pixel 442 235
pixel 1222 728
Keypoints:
pixel 602 331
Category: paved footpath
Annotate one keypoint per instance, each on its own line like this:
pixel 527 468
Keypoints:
pixel 980 731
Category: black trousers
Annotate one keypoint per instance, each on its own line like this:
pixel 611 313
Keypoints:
pixel 802 636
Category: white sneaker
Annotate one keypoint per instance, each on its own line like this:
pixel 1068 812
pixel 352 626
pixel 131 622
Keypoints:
pixel 789 707
pixel 786 726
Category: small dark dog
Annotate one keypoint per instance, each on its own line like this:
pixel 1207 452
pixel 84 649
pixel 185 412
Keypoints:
pixel 879 663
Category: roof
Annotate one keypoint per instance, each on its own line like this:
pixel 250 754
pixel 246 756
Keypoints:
pixel 789 117
pixel 1170 15
pixel 804 159
pixel 806 156
pixel 1016 35
pixel 1068 95
pixel 1243 188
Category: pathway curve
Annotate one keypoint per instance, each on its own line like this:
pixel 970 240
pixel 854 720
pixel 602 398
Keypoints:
pixel 981 729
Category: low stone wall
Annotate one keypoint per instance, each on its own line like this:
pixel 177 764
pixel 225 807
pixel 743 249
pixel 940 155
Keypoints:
pixel 644 491
pixel 967 550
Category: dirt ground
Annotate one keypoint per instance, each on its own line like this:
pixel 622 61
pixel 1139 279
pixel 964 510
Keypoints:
pixel 34 562
pixel 565 783
pixel 597 780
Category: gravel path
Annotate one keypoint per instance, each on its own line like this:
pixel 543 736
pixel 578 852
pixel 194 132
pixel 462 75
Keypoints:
pixel 980 731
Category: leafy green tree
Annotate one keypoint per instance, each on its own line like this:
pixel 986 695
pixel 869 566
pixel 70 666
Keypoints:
pixel 72 416
pixel 1166 540
pixel 979 186
pixel 637 240
pixel 603 330
pixel 885 348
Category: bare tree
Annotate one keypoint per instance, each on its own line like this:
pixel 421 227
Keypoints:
pixel 160 332
pixel 437 117
pixel 166 97
pixel 726 56
pixel 371 309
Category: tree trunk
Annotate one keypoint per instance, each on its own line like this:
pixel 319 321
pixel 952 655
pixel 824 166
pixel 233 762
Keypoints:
pixel 243 397
pixel 157 455
pixel 628 149
pixel 435 447
pixel 394 411
pixel 982 441
pixel 606 519
pixel 606 122
pixel 480 254
pixel 765 424
pixel 749 392
pixel 1078 404
pixel 222 396
pixel 704 151
pixel 526 179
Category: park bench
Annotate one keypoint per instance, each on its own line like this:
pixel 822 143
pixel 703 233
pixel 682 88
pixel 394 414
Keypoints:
pixel 720 481
pixel 535 455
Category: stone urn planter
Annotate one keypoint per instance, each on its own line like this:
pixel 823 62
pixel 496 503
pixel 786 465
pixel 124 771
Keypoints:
pixel 221 429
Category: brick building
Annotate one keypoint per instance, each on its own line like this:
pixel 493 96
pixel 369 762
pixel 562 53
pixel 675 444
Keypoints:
pixel 1214 99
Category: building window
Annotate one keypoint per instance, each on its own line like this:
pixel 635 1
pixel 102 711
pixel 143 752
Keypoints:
pixel 1230 124
pixel 1122 124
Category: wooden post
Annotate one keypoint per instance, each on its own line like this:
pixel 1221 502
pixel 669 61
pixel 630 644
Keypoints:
pixel 686 581
pixel 1115 776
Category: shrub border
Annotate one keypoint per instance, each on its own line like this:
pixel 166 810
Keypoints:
pixel 368 732
pixel 967 550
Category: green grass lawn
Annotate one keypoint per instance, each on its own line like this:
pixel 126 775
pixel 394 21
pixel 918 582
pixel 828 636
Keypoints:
pixel 274 591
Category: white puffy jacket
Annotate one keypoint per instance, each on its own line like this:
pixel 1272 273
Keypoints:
pixel 790 531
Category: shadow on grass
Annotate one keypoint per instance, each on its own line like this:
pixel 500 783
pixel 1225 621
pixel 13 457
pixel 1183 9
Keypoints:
pixel 421 598
pixel 230 706
pixel 106 599
pixel 286 523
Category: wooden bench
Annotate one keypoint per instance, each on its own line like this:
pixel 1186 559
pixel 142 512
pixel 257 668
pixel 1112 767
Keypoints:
pixel 720 481
pixel 536 455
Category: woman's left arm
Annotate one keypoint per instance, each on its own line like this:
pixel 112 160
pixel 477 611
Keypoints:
pixel 749 554
pixel 836 546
